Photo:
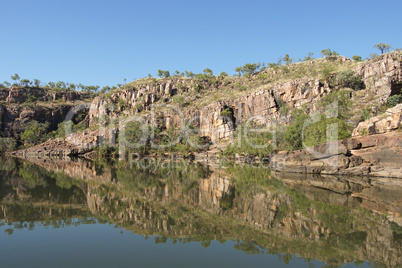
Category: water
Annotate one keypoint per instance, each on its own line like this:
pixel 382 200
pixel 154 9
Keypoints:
pixel 83 214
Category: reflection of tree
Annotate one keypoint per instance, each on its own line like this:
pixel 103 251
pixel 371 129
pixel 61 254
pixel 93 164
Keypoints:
pixel 32 176
pixel 249 247
pixel 226 201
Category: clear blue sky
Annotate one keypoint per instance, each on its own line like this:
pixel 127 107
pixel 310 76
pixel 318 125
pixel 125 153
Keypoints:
pixel 103 42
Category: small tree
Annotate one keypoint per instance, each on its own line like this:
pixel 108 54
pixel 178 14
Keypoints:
pixel 190 74
pixel 309 57
pixel 25 82
pixel 208 71
pixel 105 89
pixel 36 83
pixel 328 53
pixel 287 59
pixel 223 74
pixel 7 144
pixel 16 78
pixel 383 47
pixel 357 58
pixel 250 68
pixel 238 70
pixel 162 73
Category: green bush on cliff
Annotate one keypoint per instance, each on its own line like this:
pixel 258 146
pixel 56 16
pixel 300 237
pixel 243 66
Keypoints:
pixel 293 134
pixel 395 100
pixel 348 79
pixel 35 133
pixel 326 130
pixel 328 124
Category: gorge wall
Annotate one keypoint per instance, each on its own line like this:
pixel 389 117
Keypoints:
pixel 382 77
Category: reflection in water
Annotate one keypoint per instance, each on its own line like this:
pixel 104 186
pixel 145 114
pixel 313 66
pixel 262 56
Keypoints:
pixel 332 219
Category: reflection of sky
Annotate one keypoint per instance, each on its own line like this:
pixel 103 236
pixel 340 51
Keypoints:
pixel 103 245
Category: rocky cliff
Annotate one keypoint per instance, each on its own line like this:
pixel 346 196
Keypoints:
pixel 217 106
pixel 20 106
pixel 262 97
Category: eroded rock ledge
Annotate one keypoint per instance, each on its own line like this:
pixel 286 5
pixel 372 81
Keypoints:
pixel 376 155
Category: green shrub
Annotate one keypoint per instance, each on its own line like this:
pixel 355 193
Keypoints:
pixel 336 104
pixel 284 110
pixel 365 115
pixel 31 99
pixel 227 113
pixel 395 100
pixel 180 100
pixel 357 58
pixel 348 79
pixel 35 133
pixel 311 130
pixel 293 134
pixel 322 131
pixel 327 72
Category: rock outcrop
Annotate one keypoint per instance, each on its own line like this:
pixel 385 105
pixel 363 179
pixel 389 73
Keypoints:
pixel 389 121
pixel 73 145
pixel 376 155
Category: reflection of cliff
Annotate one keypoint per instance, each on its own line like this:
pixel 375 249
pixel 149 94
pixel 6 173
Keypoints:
pixel 322 218
pixel 329 224
pixel 29 193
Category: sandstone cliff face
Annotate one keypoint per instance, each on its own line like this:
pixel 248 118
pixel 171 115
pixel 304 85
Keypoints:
pixel 382 77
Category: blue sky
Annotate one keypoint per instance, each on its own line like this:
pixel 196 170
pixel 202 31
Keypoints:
pixel 103 42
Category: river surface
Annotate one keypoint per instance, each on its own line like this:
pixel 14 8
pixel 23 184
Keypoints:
pixel 64 213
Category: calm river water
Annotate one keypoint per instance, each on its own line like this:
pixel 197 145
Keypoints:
pixel 78 213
